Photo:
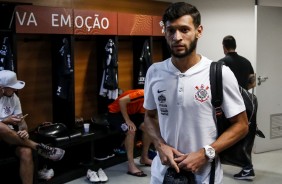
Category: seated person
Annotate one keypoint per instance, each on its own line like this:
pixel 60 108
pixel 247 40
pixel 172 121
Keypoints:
pixel 14 131
pixel 126 114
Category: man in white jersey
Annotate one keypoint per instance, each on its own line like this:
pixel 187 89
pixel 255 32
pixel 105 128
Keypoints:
pixel 179 115
pixel 14 134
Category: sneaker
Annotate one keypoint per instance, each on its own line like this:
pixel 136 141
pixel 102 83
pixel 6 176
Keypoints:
pixel 102 175
pixel 245 174
pixel 92 176
pixel 104 158
pixel 50 152
pixel 45 174
pixel 120 151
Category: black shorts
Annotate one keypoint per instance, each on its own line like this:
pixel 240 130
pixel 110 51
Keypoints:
pixel 117 121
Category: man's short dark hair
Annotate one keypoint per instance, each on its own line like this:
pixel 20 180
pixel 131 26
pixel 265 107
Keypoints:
pixel 179 9
pixel 229 42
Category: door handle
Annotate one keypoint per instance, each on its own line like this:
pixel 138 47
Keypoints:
pixel 261 79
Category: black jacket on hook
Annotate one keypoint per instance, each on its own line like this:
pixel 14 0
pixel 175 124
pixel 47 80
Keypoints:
pixel 109 84
pixel 144 63
pixel 110 81
pixel 6 56
pixel 65 70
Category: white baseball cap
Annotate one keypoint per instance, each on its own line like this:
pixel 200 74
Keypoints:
pixel 9 79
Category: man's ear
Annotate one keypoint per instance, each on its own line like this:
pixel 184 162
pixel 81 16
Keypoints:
pixel 199 31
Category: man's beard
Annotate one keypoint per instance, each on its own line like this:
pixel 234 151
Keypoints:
pixel 9 96
pixel 188 50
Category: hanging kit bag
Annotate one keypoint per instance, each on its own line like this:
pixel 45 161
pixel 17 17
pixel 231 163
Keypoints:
pixel 240 153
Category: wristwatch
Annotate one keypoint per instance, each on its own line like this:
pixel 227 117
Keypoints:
pixel 209 152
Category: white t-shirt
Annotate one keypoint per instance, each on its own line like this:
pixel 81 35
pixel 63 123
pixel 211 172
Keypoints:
pixel 9 106
pixel 186 115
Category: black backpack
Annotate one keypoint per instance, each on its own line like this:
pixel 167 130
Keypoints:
pixel 240 153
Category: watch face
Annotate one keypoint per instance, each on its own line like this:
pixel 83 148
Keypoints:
pixel 210 152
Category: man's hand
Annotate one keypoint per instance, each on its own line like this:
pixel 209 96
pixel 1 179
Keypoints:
pixel 131 125
pixel 167 155
pixel 193 161
pixel 13 120
pixel 23 134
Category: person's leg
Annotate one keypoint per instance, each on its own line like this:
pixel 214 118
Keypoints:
pixel 26 164
pixel 250 166
pixel 129 146
pixel 9 136
pixel 146 145
pixel 117 121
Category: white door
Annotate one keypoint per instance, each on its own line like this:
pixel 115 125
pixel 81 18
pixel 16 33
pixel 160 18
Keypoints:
pixel 269 68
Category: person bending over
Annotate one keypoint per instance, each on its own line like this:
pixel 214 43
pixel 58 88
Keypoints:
pixel 126 114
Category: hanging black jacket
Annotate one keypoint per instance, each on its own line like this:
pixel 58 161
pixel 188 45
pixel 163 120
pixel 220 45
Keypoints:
pixel 111 65
pixel 6 56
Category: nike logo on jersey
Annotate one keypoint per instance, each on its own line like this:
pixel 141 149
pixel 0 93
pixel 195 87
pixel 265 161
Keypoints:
pixel 160 91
